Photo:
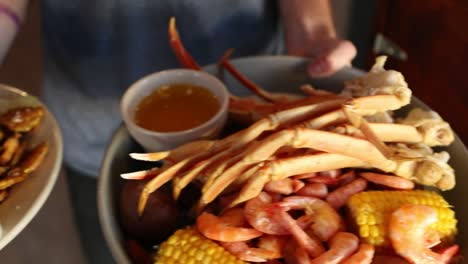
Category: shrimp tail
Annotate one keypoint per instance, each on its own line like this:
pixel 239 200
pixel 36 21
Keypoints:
pixel 447 254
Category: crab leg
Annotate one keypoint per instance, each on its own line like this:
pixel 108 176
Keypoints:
pixel 283 168
pixel 180 182
pixel 373 104
pixel 272 122
pixel 246 82
pixel 217 170
pixel 331 118
pixel 158 181
pixel 139 175
pixel 182 55
pixel 310 90
pixel 359 122
pixel 177 154
pixel 396 132
pixel 301 138
pixel 387 132
pixel 427 171
pixel 378 91
pixel 434 130
pixel 166 175
pixel 323 141
pixel 242 179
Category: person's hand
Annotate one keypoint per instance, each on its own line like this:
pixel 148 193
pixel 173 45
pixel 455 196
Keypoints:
pixel 327 57
pixel 310 33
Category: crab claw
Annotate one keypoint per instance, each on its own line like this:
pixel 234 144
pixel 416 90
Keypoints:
pixel 182 55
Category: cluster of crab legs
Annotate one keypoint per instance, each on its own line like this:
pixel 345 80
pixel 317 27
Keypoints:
pixel 291 139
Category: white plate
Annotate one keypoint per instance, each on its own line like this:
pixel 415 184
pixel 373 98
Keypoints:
pixel 275 73
pixel 26 198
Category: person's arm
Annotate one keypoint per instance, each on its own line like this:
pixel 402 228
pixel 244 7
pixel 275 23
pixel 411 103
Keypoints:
pixel 12 13
pixel 310 32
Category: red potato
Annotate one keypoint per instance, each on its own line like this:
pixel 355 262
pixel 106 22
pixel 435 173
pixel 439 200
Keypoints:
pixel 160 219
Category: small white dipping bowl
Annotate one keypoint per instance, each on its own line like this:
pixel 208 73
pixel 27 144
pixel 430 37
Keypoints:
pixel 159 141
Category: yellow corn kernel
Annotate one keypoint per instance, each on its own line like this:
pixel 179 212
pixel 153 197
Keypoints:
pixel 371 212
pixel 187 246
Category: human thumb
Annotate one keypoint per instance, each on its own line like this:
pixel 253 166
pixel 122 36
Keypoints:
pixel 340 54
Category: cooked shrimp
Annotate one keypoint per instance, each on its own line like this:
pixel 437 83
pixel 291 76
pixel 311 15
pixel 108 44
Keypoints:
pixel 273 243
pixel 305 176
pixel 284 186
pixel 330 173
pixel 342 245
pixel 388 180
pixel 407 228
pixel 318 190
pixel 388 259
pixel 326 221
pixel 340 196
pixel 346 178
pixel 329 179
pixel 222 229
pixel 257 213
pixel 311 244
pixel 246 253
pixel 363 255
pixel 294 254
pixel 234 217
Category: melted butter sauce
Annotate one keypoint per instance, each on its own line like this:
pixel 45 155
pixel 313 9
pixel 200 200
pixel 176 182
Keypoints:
pixel 176 107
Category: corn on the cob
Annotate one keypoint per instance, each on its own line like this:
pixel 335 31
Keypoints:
pixel 187 246
pixel 370 212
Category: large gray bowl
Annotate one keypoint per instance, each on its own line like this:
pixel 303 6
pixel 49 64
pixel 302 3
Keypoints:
pixel 276 73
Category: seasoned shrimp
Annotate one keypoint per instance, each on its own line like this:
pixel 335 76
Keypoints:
pixel 246 253
pixel 294 254
pixel 388 259
pixel 318 190
pixel 225 229
pixel 407 228
pixel 338 197
pixel 363 255
pixel 273 243
pixel 342 245
pixel 388 180
pixel 258 215
pixel 284 186
pixel 326 221
pixel 329 179
pixel 310 243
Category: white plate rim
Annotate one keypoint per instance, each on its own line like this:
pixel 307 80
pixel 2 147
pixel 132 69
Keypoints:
pixel 6 238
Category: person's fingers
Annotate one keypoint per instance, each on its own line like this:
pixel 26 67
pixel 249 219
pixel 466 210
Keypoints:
pixel 340 54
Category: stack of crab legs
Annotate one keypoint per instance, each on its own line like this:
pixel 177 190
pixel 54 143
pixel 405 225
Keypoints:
pixel 299 145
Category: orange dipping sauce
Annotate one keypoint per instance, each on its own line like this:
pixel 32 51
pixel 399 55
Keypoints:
pixel 176 107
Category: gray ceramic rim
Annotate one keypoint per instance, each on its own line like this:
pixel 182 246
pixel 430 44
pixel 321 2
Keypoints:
pixel 44 194
pixel 105 203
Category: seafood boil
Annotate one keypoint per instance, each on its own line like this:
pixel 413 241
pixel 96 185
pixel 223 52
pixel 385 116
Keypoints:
pixel 17 158
pixel 320 178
